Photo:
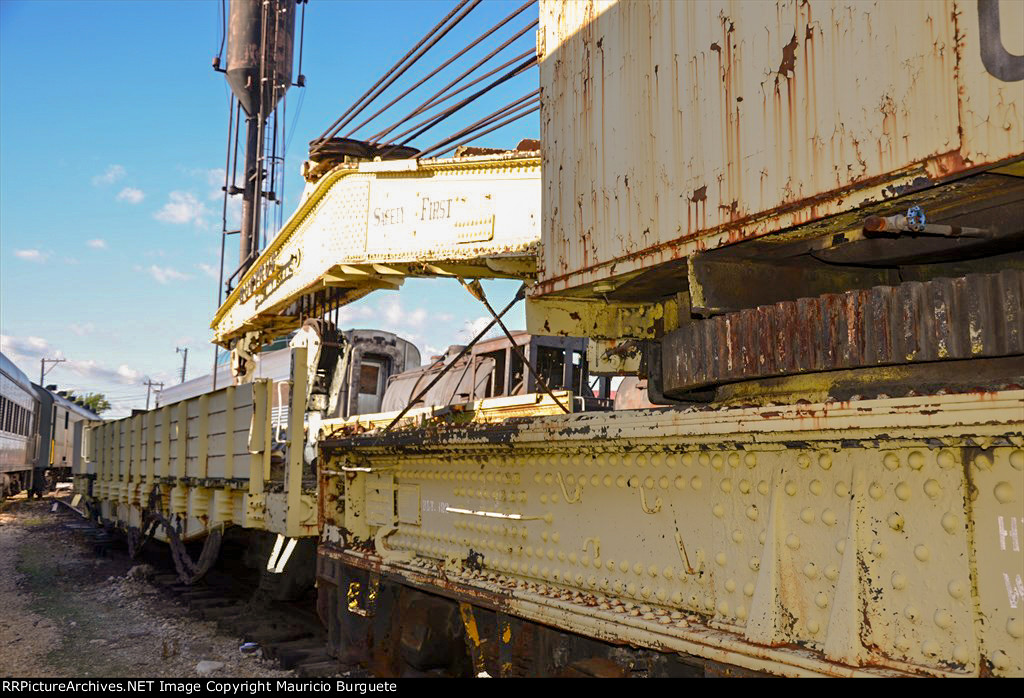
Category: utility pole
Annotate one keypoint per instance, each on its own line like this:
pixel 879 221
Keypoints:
pixel 149 385
pixel 184 361
pixel 42 368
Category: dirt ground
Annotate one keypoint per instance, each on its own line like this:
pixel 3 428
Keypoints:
pixel 66 614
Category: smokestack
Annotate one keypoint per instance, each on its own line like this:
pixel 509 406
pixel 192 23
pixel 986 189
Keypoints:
pixel 261 41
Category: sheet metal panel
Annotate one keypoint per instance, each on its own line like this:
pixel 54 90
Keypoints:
pixel 673 127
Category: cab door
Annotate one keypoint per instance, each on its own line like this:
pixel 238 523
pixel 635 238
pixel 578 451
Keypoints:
pixel 371 383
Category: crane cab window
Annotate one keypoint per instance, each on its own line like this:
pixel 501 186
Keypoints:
pixel 496 385
pixel 551 366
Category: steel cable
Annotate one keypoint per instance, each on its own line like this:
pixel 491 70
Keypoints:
pixel 444 65
pixel 432 37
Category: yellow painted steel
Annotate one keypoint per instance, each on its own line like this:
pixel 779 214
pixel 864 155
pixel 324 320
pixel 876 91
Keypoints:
pixel 366 226
pixel 873 537
pixel 206 460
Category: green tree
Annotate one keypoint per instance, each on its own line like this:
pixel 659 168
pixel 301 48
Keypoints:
pixel 97 402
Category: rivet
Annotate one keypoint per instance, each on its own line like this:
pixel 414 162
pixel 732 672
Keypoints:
pixel 631 589
pixel 1000 660
pixel 595 480
pixel 695 483
pixel 661 594
pixel 803 460
pixel 663 483
pixel 792 542
pixel 950 522
pixel 741 612
pixel 1015 627
pixel 571 479
pixel 807 515
pixel 641 461
pixel 895 521
pixel 922 553
pixel 687 459
pixel 821 600
pixel 930 648
pixel 982 462
pixel 610 565
pixel 745 486
pixel 721 559
pixel 748 589
pixel 704 459
pixel 723 608
pixel 832 573
pixel 752 513
pixel 730 585
pixel 677 598
pixel 717 461
pixel 828 517
pixel 645 592
pixel 669 573
pixel 761 537
pixel 638 568
pixel 726 485
pixel 624 566
pixel 1004 492
pixel 816 487
pixel 718 510
pixel 915 460
pixel 607 480
pixel 791 488
pixel 878 549
pixel 620 481
pixel 680 483
pixel 653 570
pixel 932 488
pixel 810 571
pixel 841 489
pixel 543 499
pixel 875 490
pixel 548 479
pixel 899 581
pixel 561 556
pixel 961 655
pixel 891 461
pixel 544 535
pixel 903 491
pixel 945 459
pixel 762 487
pixel 1017 460
pixel 955 589
pixel 902 643
pixel 750 460
pixel 572 558
pixel 825 461
pixel 657 459
pixel 734 459
pixel 737 536
pixel 943 619
pixel 813 627
pixel 910 613
pixel 754 563
pixel 709 603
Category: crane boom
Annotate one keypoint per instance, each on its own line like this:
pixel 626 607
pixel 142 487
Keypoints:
pixel 369 225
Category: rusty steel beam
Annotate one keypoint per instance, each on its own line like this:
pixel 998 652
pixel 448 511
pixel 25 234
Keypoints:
pixel 973 316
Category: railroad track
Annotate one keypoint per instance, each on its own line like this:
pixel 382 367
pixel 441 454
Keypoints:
pixel 287 633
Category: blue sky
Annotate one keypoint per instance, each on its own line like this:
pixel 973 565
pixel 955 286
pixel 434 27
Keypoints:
pixel 113 131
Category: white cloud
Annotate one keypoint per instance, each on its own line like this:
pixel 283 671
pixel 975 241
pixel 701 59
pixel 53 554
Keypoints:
pixel 97 244
pixel 82 329
pixel 131 195
pixel 166 274
pixel 181 208
pixel 474 327
pixel 209 270
pixel 26 352
pixel 32 255
pixel 112 174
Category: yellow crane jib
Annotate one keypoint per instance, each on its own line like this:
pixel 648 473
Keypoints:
pixel 368 225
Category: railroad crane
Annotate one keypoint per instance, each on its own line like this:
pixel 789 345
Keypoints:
pixel 801 223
